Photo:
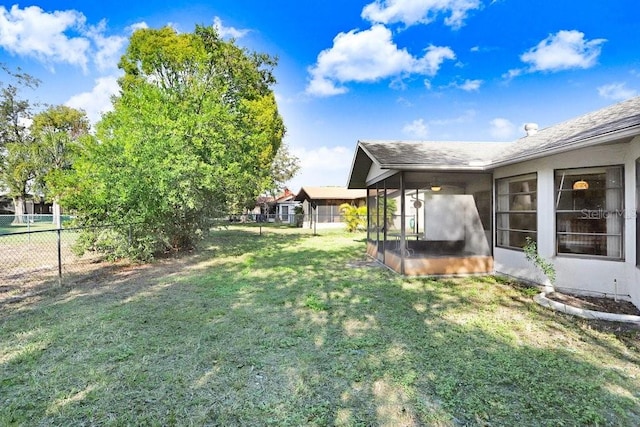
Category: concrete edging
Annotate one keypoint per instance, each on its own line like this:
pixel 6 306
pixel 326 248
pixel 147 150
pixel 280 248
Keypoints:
pixel 542 300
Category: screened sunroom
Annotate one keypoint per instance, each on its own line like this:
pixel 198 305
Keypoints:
pixel 422 220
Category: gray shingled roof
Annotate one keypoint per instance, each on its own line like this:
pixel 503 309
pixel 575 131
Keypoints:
pixel 616 123
pixel 425 154
pixel 608 121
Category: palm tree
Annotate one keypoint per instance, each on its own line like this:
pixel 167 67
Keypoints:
pixel 355 217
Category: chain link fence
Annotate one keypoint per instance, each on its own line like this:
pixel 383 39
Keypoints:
pixel 32 261
pixel 28 222
pixel 290 219
pixel 35 256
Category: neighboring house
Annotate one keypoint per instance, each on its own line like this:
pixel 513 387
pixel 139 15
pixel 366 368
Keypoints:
pixel 465 207
pixel 31 205
pixel 285 205
pixel 321 205
pixel 272 209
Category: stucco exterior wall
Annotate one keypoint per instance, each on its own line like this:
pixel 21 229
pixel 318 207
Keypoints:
pixel 578 274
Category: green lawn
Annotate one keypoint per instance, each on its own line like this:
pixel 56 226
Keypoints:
pixel 24 228
pixel 290 329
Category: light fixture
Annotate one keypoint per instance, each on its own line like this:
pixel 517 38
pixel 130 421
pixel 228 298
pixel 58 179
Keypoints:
pixel 436 187
pixel 581 185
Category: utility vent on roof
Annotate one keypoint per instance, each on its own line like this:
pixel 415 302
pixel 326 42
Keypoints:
pixel 531 128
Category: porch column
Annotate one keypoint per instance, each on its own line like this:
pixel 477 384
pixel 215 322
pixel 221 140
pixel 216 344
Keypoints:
pixel 403 236
pixel 384 227
pixel 368 214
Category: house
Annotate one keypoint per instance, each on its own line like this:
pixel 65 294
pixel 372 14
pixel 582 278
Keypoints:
pixel 285 205
pixel 470 207
pixel 321 205
pixel 275 209
pixel 32 206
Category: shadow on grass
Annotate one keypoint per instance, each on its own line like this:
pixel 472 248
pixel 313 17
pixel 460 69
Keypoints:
pixel 280 330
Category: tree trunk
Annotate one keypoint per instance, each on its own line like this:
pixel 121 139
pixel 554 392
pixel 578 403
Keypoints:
pixel 19 209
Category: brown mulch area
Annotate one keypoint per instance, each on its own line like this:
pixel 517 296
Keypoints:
pixel 607 305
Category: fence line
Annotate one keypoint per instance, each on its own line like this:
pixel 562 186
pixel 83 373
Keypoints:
pixel 31 261
pixel 29 222
pixel 36 259
pixel 290 218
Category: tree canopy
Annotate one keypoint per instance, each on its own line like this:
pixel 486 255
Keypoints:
pixel 16 142
pixel 192 136
pixel 57 132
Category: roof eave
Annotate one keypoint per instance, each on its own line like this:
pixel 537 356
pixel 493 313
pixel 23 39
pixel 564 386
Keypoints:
pixel 353 182
pixel 454 168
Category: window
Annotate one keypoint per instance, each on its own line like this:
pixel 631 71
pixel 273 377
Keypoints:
pixel 516 207
pixel 590 211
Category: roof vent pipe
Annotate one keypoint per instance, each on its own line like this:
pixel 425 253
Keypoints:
pixel 531 128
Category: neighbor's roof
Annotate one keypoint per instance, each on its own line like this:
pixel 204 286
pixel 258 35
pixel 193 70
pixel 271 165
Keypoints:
pixel 329 193
pixel 616 123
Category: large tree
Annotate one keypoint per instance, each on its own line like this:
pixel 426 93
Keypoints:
pixel 56 132
pixel 192 135
pixel 284 167
pixel 16 142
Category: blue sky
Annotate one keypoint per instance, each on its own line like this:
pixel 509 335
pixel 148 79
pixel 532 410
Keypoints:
pixel 460 70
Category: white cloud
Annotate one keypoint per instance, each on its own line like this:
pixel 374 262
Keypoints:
pixel 430 63
pixel 416 129
pixel 97 101
pixel 109 49
pixel 616 91
pixel 367 56
pixel 228 31
pixel 60 37
pixel 137 26
pixel 35 33
pixel 321 86
pixel 502 128
pixel 411 12
pixel 562 51
pixel 512 73
pixel 322 166
pixel 470 85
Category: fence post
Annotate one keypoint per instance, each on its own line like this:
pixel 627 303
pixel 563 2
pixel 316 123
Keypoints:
pixel 59 257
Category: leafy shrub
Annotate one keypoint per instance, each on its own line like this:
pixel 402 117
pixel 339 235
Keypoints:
pixel 532 255
pixel 355 217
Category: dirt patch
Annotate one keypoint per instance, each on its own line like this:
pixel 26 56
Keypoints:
pixel 607 305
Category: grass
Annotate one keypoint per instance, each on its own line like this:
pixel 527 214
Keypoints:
pixel 24 228
pixel 289 329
